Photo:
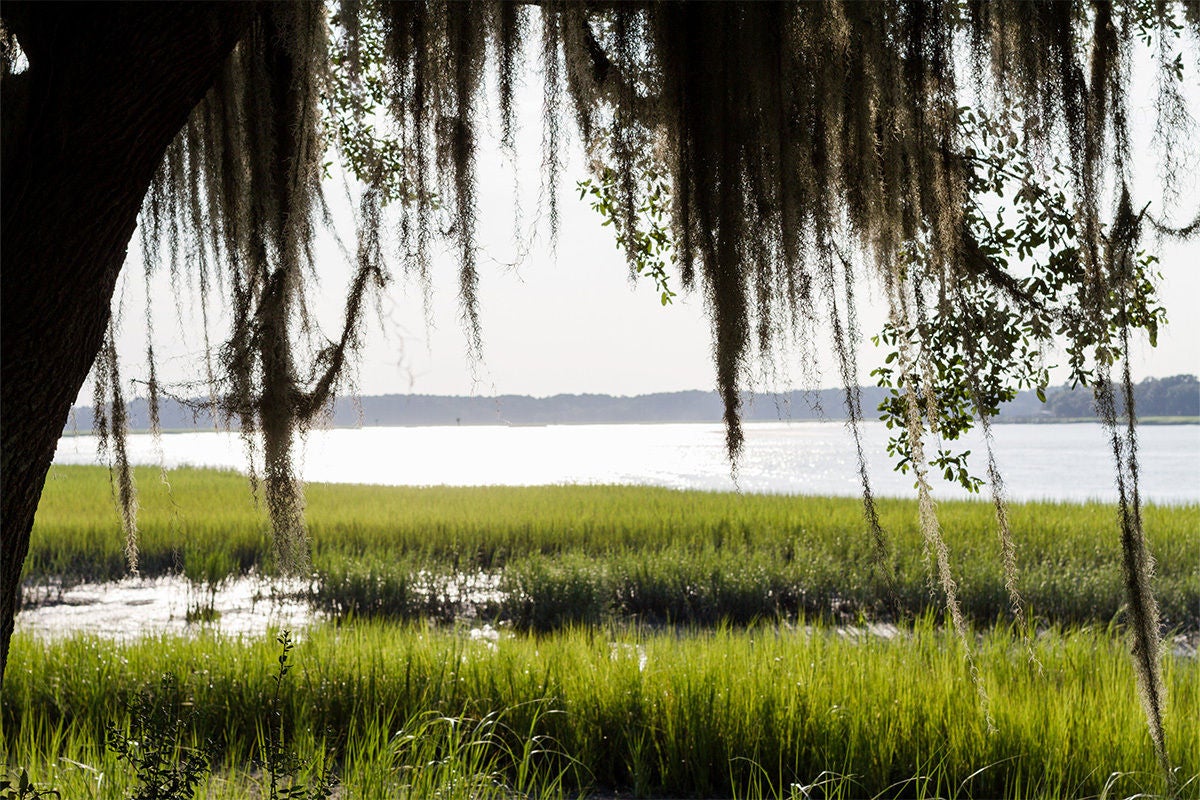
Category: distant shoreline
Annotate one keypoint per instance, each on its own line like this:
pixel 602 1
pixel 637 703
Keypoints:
pixel 1159 401
pixel 1156 421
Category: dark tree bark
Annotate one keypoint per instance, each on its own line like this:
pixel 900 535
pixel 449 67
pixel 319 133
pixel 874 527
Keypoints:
pixel 107 89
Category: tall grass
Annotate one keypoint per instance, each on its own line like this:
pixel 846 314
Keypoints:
pixel 706 713
pixel 575 554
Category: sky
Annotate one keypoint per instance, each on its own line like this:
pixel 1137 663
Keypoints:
pixel 568 318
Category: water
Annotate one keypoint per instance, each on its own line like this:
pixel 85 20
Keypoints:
pixel 1045 461
pixel 136 607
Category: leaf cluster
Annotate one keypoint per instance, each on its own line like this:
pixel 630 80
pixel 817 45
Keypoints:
pixel 22 788
pixel 1023 287
pixel 644 238
pixel 355 101
pixel 153 745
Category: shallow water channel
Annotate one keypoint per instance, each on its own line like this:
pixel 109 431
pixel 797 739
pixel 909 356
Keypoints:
pixel 251 605
pixel 247 605
pixel 136 607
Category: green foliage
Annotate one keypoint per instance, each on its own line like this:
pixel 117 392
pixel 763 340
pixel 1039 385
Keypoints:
pixel 687 713
pixel 21 788
pixel 153 744
pixel 168 743
pixel 450 756
pixel 355 101
pixel 973 344
pixel 644 235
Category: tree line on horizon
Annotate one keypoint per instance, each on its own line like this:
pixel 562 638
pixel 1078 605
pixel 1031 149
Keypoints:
pixel 1174 396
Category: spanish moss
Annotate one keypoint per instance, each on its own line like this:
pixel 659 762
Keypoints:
pixel 111 426
pixel 845 340
pixel 1144 629
pixel 785 133
pixel 995 480
pixel 936 549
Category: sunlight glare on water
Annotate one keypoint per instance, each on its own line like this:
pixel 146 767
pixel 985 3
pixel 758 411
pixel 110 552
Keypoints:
pixel 1047 461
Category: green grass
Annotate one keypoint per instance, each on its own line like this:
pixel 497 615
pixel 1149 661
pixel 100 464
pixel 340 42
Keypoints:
pixel 659 647
pixel 702 713
pixel 569 554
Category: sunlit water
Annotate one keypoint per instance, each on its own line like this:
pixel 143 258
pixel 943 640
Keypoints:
pixel 139 606
pixel 1049 461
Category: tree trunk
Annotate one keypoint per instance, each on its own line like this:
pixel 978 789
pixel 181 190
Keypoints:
pixel 85 127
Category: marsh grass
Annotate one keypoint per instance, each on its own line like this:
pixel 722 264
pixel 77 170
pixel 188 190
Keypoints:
pixel 710 712
pixel 651 640
pixel 574 554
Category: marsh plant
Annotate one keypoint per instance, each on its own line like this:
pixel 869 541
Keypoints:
pixel 279 762
pixel 21 787
pixel 207 575
pixel 541 556
pixel 153 744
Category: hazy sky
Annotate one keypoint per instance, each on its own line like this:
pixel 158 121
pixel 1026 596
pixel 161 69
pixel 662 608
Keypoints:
pixel 571 321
